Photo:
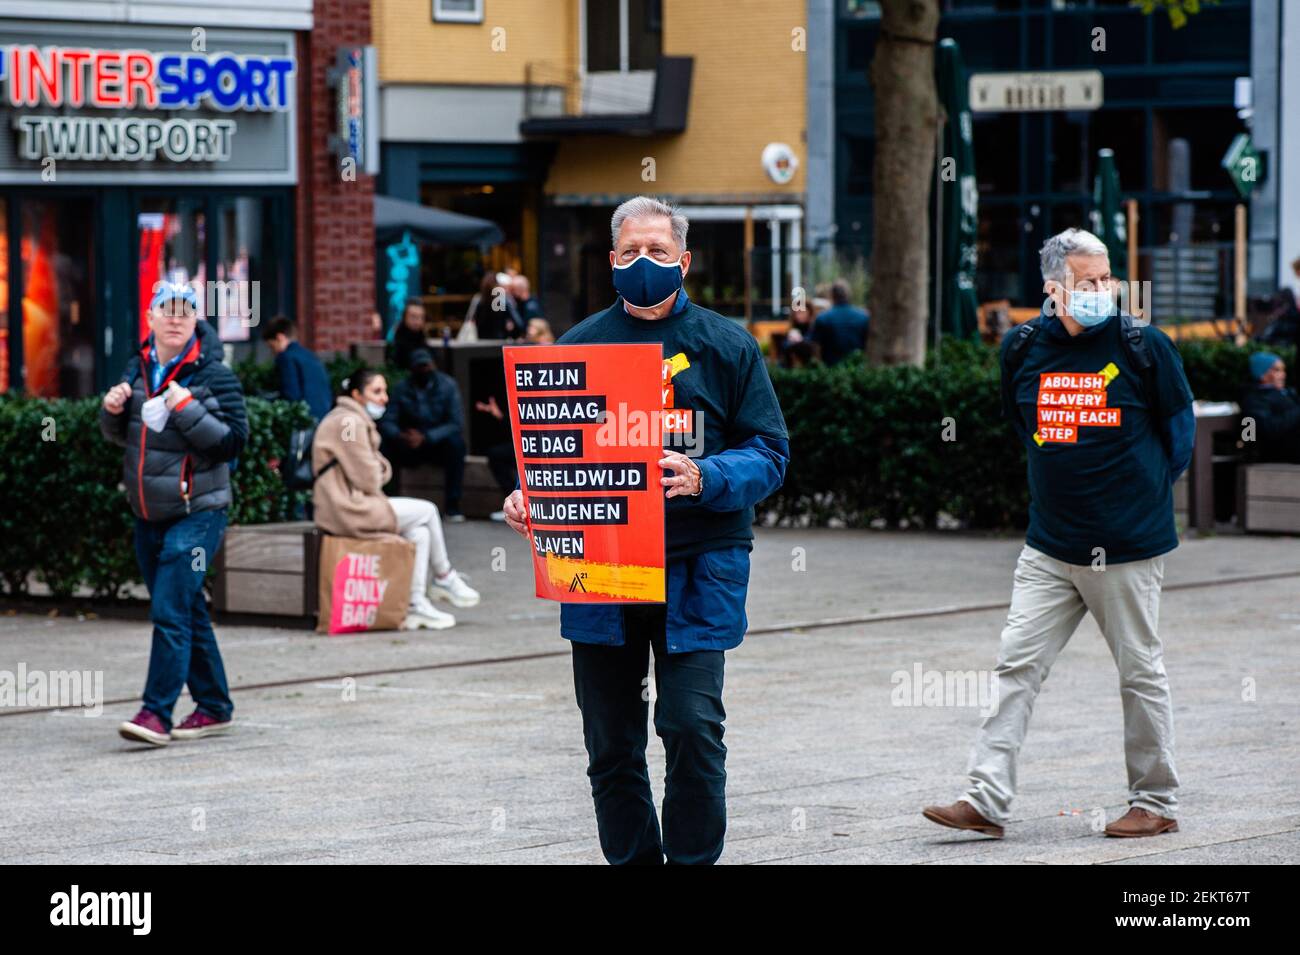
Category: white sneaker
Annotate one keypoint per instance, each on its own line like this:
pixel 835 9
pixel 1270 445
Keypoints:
pixel 423 615
pixel 454 591
pixel 498 516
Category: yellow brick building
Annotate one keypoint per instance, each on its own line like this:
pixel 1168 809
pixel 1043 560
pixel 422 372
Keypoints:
pixel 543 114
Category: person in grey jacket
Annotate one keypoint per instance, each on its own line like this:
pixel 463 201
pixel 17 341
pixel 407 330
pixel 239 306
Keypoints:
pixel 179 414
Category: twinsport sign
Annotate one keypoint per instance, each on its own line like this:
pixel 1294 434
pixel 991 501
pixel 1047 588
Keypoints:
pixel 109 104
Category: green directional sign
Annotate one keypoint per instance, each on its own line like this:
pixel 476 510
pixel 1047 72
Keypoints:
pixel 1244 164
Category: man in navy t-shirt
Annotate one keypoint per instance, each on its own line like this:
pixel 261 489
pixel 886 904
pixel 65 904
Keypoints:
pixel 1105 413
pixel 734 456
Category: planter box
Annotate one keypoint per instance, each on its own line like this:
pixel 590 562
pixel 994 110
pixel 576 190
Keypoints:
pixel 1271 497
pixel 270 569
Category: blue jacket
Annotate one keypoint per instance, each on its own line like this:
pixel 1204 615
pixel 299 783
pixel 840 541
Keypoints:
pixel 839 331
pixel 302 377
pixel 706 588
pixel 705 593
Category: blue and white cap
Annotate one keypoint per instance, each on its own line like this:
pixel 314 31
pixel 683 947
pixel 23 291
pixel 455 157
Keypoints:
pixel 175 291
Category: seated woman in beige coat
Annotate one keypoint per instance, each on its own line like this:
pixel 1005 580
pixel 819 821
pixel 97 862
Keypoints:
pixel 349 499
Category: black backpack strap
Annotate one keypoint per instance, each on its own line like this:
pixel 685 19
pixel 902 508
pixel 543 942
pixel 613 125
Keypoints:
pixel 316 477
pixel 1019 347
pixel 1017 351
pixel 1135 345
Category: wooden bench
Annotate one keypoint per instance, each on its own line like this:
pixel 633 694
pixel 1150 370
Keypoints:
pixel 1181 497
pixel 1270 498
pixel 480 496
pixel 270 569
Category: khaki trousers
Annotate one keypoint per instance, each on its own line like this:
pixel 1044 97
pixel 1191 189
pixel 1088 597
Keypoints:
pixel 1049 599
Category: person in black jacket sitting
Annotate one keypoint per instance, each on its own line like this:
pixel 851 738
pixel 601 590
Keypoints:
pixel 1274 408
pixel 424 425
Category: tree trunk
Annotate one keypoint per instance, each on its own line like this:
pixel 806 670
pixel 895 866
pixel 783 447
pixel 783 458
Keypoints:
pixel 907 117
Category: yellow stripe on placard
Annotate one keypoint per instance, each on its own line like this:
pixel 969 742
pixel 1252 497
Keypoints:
pixel 621 581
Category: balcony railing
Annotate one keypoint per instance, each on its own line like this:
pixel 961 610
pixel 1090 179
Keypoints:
pixel 558 99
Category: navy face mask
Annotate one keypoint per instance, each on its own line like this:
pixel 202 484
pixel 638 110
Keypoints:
pixel 645 283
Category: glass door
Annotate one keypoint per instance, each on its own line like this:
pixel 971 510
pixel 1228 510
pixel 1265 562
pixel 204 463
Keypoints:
pixel 58 291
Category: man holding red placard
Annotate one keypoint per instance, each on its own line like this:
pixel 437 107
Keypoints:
pixel 719 409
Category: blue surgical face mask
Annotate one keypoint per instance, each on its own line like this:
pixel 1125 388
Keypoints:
pixel 645 283
pixel 1091 308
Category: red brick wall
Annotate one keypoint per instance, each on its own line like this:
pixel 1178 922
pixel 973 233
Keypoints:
pixel 335 225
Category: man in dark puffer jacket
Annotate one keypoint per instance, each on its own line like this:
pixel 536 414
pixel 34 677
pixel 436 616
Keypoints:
pixel 179 413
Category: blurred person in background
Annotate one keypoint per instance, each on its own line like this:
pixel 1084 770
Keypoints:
pixel 492 313
pixel 349 500
pixel 1275 409
pixel 527 306
pixel 423 424
pixel 501 454
pixel 409 334
pixel 300 376
pixel 842 329
pixel 797 348
pixel 539 332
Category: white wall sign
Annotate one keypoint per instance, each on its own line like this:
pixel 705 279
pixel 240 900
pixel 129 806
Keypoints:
pixel 1035 92
pixel 779 162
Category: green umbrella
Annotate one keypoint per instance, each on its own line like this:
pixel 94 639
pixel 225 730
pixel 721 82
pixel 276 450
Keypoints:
pixel 958 197
pixel 1107 217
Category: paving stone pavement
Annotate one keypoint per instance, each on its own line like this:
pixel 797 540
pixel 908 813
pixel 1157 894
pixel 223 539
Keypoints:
pixel 465 746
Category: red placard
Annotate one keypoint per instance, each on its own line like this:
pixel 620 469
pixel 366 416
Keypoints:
pixel 587 423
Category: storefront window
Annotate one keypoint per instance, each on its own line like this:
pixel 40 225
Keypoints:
pixel 58 322
pixel 244 276
pixel 172 243
pixel 223 248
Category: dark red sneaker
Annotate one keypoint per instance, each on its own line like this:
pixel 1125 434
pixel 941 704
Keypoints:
pixel 199 724
pixel 145 727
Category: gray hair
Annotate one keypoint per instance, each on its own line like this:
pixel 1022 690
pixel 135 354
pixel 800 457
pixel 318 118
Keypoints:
pixel 640 207
pixel 1055 250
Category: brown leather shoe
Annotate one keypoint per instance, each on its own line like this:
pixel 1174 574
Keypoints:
pixel 961 815
pixel 1138 822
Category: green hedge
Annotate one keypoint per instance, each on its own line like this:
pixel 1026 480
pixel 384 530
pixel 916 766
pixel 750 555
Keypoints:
pixel 867 446
pixel 65 515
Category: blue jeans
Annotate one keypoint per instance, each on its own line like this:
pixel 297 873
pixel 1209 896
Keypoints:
pixel 611 686
pixel 174 556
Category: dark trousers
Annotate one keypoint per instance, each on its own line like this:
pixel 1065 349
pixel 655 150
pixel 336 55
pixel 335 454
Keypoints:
pixel 174 557
pixel 501 462
pixel 449 454
pixel 612 690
